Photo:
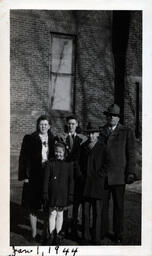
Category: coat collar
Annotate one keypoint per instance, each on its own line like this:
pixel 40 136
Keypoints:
pixel 36 134
pixel 86 148
pixel 119 128
pixel 76 138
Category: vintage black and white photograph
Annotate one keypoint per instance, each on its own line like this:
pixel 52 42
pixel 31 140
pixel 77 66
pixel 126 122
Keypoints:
pixel 75 127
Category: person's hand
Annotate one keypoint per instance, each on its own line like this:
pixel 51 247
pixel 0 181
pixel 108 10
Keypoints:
pixel 26 180
pixel 130 179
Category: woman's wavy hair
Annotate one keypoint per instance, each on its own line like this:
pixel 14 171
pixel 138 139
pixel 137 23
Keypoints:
pixel 42 117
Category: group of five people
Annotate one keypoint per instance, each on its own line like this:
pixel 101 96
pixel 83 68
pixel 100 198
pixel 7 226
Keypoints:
pixel 74 169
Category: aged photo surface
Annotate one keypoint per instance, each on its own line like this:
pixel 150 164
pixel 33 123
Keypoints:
pixel 78 63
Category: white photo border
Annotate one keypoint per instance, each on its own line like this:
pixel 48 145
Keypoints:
pixel 146 6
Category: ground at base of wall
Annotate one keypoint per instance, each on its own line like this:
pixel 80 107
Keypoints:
pixel 20 229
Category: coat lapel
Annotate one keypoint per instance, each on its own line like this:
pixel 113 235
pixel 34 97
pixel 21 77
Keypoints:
pixel 68 141
pixel 75 142
pixel 37 141
pixel 117 130
pixel 51 144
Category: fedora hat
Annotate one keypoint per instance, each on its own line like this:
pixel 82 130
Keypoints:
pixel 91 128
pixel 113 109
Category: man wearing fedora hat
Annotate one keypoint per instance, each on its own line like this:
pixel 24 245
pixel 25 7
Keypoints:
pixel 92 185
pixel 119 163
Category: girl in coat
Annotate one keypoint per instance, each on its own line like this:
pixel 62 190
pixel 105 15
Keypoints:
pixel 58 186
pixel 37 148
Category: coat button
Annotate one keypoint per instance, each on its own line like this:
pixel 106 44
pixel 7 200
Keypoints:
pixel 55 178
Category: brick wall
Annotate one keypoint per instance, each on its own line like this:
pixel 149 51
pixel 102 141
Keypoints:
pixel 133 69
pixel 94 83
pixel 95 69
pixel 30 41
pixel 30 47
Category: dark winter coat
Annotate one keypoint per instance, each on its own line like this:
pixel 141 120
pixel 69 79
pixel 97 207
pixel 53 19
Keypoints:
pixel 91 169
pixel 119 153
pixel 30 165
pixel 58 183
pixel 74 154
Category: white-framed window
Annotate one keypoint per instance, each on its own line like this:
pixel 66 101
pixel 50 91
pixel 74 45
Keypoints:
pixel 62 72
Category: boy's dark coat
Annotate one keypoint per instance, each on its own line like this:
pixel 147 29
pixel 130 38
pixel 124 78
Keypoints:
pixel 91 168
pixel 74 155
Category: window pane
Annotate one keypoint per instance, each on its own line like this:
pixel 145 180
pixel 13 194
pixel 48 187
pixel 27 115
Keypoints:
pixel 61 92
pixel 62 55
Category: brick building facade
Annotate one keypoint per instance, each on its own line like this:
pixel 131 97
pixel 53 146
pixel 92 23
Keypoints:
pixel 95 85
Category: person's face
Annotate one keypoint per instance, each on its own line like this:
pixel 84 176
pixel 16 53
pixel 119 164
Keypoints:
pixel 93 136
pixel 59 153
pixel 112 120
pixel 44 126
pixel 72 125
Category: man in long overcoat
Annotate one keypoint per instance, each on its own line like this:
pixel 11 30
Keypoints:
pixel 119 163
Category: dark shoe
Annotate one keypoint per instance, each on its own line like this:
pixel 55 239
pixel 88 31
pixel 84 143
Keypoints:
pixel 118 241
pixel 44 241
pixel 62 234
pixel 111 236
pixel 38 238
pixel 74 235
pixel 85 240
pixel 35 240
pixel 58 238
pixel 44 238
pixel 103 237
pixel 96 242
pixel 32 240
pixel 50 239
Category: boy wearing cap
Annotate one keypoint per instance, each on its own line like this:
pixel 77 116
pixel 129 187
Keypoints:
pixel 91 160
pixel 119 163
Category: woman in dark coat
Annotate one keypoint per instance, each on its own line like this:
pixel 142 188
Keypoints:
pixel 57 190
pixel 93 190
pixel 37 148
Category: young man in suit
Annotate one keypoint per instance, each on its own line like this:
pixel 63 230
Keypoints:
pixel 119 164
pixel 73 141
